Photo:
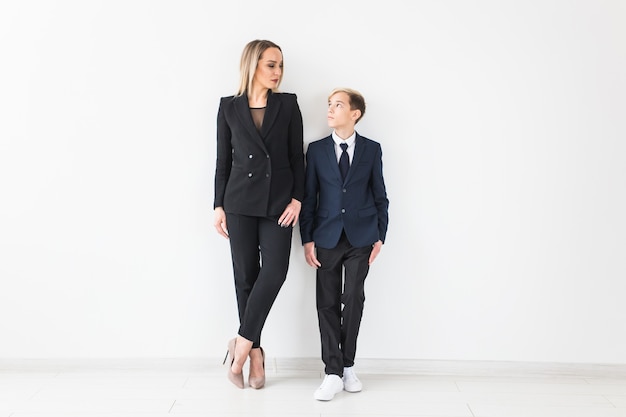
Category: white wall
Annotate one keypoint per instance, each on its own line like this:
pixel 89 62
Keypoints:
pixel 503 132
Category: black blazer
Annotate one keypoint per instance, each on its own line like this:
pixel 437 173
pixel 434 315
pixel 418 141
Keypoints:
pixel 358 205
pixel 258 173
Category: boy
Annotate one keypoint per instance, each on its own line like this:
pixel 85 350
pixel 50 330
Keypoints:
pixel 343 224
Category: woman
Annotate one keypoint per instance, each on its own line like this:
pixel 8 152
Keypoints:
pixel 259 186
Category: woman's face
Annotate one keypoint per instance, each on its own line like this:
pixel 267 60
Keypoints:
pixel 269 69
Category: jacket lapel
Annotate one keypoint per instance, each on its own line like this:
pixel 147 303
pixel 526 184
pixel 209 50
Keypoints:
pixel 245 117
pixel 359 150
pixel 271 113
pixel 329 150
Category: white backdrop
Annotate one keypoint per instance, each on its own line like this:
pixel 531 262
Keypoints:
pixel 503 130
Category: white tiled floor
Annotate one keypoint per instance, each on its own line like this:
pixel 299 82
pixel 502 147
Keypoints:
pixel 198 387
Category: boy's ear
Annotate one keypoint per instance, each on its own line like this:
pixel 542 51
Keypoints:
pixel 356 114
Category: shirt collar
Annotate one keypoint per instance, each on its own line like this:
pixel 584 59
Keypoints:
pixel 339 141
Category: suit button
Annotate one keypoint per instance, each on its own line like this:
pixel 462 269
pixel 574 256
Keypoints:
pixel 343 210
pixel 250 156
pixel 344 190
pixel 267 156
pixel 267 175
pixel 249 174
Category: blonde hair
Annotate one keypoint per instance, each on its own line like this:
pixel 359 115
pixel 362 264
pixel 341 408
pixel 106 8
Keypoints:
pixel 249 61
pixel 357 101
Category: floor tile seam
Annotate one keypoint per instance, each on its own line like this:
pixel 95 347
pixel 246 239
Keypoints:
pixel 470 409
pixel 610 402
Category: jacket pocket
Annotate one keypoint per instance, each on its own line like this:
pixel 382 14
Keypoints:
pixel 369 211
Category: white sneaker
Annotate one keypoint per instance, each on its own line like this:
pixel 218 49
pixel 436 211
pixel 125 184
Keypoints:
pixel 331 385
pixel 350 381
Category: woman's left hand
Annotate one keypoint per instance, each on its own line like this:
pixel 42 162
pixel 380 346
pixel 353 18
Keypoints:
pixel 291 214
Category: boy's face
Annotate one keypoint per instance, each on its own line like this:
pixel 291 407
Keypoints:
pixel 339 113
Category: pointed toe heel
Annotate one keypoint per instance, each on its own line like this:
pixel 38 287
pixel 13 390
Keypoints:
pixel 258 382
pixel 236 379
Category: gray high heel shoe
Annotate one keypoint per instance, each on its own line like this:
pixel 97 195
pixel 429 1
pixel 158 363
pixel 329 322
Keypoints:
pixel 236 379
pixel 258 382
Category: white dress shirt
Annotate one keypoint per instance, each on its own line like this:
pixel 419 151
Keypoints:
pixel 349 142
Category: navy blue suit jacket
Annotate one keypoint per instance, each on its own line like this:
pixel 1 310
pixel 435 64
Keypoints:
pixel 357 205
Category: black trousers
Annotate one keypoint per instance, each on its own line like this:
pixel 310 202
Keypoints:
pixel 339 327
pixel 260 250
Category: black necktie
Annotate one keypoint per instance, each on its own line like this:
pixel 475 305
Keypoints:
pixel 344 161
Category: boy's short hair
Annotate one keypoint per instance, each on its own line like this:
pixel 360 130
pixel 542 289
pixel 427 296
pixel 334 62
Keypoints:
pixel 357 101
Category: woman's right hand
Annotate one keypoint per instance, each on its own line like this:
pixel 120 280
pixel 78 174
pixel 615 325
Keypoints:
pixel 220 222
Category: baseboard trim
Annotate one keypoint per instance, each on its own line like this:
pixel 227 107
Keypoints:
pixel 369 366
